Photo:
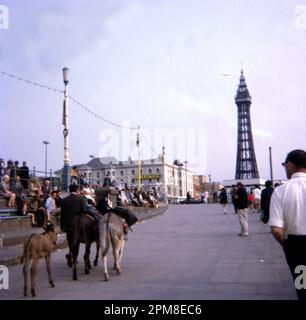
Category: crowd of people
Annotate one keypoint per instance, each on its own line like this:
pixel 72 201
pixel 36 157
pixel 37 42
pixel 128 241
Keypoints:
pixel 283 207
pixel 37 201
pixel 255 200
pixel 128 197
pixel 35 197
pixel 12 170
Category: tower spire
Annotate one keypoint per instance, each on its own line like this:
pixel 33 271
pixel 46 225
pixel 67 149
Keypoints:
pixel 246 165
pixel 242 79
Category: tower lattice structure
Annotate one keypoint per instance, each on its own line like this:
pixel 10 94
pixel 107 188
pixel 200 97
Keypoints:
pixel 246 166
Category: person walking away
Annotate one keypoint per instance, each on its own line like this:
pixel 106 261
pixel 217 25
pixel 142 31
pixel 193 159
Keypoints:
pixel 206 195
pixel 188 196
pixel 288 216
pixel 242 204
pixel 251 201
pixel 265 201
pixel 72 206
pixel 223 200
pixel 257 197
pixel 233 196
pixel 215 197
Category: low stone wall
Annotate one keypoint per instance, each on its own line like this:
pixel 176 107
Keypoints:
pixel 14 223
pixel 18 223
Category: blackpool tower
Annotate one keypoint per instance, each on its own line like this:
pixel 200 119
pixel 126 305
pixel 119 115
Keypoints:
pixel 246 166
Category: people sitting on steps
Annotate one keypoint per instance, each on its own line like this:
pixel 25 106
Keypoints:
pixel 21 198
pixel 37 211
pixel 51 207
pixel 6 192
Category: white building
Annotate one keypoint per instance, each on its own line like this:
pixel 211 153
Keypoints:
pixel 155 174
pixel 250 183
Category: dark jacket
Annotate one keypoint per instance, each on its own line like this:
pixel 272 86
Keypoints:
pixel 24 176
pixel 71 208
pixel 241 200
pixel 17 188
pixel 265 203
pixel 129 216
pixel 102 206
pixel 223 197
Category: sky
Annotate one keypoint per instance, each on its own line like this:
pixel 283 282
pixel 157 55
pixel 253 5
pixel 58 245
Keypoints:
pixel 171 67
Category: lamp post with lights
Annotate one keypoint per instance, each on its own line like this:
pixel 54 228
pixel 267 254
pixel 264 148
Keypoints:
pixel 66 168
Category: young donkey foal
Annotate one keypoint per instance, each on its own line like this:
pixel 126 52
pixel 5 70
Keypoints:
pixel 38 246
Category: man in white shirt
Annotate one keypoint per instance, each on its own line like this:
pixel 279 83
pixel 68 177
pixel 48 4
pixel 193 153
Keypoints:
pixel 51 205
pixel 288 216
pixel 206 195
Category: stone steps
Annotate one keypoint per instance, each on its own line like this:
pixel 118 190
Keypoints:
pixel 15 230
pixel 13 238
pixel 3 204
pixel 9 223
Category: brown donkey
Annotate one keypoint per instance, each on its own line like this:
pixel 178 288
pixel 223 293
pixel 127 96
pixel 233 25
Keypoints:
pixel 38 246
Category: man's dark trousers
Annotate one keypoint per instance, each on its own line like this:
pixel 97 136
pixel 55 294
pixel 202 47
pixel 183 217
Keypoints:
pixel 295 251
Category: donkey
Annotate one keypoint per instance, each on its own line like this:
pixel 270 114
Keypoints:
pixel 86 231
pixel 111 230
pixel 38 246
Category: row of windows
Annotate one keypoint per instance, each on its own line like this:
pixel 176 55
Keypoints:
pixel 122 172
pixel 150 181
pixel 133 172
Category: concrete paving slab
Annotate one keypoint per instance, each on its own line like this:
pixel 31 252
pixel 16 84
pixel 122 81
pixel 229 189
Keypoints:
pixel 191 252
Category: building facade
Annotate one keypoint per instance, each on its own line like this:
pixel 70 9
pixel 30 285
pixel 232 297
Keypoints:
pixel 173 179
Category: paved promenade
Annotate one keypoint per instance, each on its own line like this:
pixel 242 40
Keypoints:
pixel 190 252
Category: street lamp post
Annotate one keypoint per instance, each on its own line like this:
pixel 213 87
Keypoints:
pixel 91 178
pixel 139 163
pixel 186 176
pixel 210 187
pixel 66 168
pixel 46 157
pixel 271 167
